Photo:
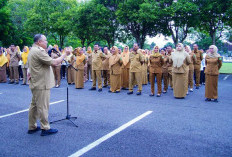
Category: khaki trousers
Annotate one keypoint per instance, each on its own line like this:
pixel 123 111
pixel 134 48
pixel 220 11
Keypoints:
pixel 89 70
pixel 190 79
pixel 197 73
pixel 70 74
pixel 159 82
pixel 170 78
pixel 24 75
pixel 135 77
pixel 165 80
pixel 56 71
pixel 106 77
pixel 96 74
pixel 14 74
pixel 39 109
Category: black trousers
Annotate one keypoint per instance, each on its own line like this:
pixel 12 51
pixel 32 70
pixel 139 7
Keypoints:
pixel 62 71
pixel 202 78
pixel 20 72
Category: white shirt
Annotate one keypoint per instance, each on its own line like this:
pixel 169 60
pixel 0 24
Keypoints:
pixel 203 61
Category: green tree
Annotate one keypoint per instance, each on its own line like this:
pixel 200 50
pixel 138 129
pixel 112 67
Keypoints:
pixel 82 23
pixel 176 18
pixel 133 17
pixel 52 18
pixel 170 44
pixel 212 15
pixel 5 23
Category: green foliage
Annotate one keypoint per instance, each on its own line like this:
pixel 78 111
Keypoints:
pixel 133 15
pixel 66 22
pixel 213 14
pixel 226 68
pixel 5 23
pixel 170 44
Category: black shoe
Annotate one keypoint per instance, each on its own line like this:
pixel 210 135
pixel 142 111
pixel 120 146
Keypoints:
pixel 93 88
pixel 164 92
pixel 138 93
pixel 197 87
pixel 207 99
pixel 105 86
pixel 23 84
pixel 100 89
pixel 158 95
pixel 129 93
pixel 124 88
pixel 215 100
pixel 33 131
pixel 109 91
pixel 151 94
pixel 117 91
pixel 11 83
pixel 16 82
pixel 69 83
pixel 48 132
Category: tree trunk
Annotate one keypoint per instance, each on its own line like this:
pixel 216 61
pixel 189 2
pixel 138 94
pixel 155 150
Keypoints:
pixel 83 42
pixel 108 43
pixel 62 41
pixel 213 36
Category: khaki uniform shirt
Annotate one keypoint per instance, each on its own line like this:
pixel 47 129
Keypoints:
pixel 184 68
pixel 81 66
pixel 213 65
pixel 14 58
pixel 54 56
pixel 97 60
pixel 116 68
pixel 39 62
pixel 165 65
pixel 136 60
pixel 169 64
pixel 89 56
pixel 156 64
pixel 105 62
pixel 193 60
pixel 199 57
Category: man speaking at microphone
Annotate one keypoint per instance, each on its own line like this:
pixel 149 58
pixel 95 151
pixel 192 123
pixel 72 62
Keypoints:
pixel 41 81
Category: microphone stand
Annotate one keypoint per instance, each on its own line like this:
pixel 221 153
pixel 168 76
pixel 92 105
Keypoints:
pixel 68 116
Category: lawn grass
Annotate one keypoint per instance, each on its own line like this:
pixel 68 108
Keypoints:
pixel 226 68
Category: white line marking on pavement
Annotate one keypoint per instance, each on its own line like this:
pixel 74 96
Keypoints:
pixel 14 113
pixel 109 135
pixel 226 77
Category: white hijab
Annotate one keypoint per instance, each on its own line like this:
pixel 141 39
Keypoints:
pixel 178 57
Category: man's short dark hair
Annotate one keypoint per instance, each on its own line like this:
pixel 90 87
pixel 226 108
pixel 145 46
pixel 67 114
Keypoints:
pixel 96 44
pixel 37 37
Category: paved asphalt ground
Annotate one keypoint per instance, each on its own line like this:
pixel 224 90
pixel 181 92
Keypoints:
pixel 189 127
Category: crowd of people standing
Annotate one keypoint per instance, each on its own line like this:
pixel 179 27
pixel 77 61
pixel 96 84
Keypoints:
pixel 180 68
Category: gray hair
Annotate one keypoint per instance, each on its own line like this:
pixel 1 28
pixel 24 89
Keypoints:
pixel 37 37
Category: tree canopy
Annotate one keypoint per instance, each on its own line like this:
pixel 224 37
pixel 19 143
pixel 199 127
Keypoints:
pixel 108 22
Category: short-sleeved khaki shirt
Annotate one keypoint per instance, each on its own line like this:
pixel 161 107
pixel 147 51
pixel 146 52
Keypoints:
pixel 97 60
pixel 40 62
pixel 135 61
